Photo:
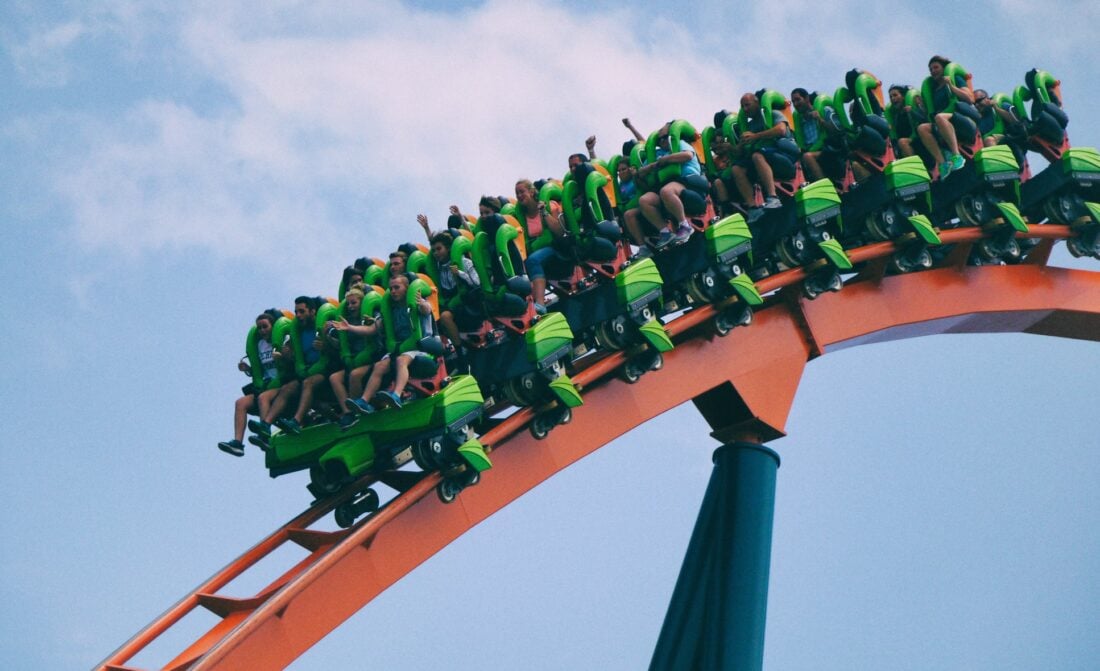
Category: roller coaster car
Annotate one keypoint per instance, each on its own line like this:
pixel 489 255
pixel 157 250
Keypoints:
pixel 817 238
pixel 505 294
pixel 964 116
pixel 695 197
pixel 894 205
pixel 985 194
pixel 1068 192
pixel 622 315
pixel 1044 120
pixel 784 162
pixel 594 246
pixel 435 431
pixel 712 267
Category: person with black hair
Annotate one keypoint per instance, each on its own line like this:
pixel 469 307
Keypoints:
pixel 902 118
pixel 941 126
pixel 257 398
pixel 311 366
pixel 455 284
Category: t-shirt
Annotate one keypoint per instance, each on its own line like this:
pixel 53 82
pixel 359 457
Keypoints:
pixel 687 168
pixel 310 354
pixel 756 125
pixel 267 360
pixel 449 280
pixel 811 130
pixel 941 95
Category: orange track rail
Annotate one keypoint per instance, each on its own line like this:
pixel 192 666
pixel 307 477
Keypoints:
pixel 346 569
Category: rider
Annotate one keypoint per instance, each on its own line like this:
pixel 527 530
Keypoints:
pixel 358 330
pixel 402 327
pixel 758 141
pixel 822 154
pixel 941 126
pixel 668 196
pixel 258 397
pixel 454 283
pixel 541 226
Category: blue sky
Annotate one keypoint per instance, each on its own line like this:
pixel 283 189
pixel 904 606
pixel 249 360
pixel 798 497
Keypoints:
pixel 167 173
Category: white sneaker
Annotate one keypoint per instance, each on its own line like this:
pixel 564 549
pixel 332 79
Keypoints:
pixel 772 203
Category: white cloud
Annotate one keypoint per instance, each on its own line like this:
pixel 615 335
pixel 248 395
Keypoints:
pixel 342 129
pixel 439 108
pixel 41 58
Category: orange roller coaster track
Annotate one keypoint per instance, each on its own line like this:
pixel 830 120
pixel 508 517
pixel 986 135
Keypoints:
pixel 739 396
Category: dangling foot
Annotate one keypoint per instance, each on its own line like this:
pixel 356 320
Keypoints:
pixel 234 447
pixel 259 427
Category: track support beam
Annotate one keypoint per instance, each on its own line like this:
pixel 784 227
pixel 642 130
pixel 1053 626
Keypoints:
pixel 716 618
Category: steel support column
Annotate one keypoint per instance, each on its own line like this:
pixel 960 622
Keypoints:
pixel 715 621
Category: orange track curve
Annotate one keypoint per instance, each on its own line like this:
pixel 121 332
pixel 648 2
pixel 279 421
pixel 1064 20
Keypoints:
pixel 347 569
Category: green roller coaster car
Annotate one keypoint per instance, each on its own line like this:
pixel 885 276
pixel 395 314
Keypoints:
pixel 436 428
pixel 729 240
pixel 910 185
pixel 818 209
pixel 1081 169
pixel 994 205
pixel 549 343
pixel 639 289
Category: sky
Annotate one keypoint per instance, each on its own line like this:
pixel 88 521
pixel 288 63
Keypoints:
pixel 166 172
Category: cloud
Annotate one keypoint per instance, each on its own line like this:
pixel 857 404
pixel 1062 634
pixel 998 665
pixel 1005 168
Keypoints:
pixel 40 58
pixel 325 133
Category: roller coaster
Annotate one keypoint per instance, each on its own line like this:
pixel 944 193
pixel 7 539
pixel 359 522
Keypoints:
pixel 900 253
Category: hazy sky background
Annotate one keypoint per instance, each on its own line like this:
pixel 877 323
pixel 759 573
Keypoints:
pixel 166 173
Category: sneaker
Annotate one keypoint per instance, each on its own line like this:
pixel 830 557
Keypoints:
pixel 957 162
pixel 772 203
pixel 754 214
pixel 234 447
pixel 664 239
pixel 259 442
pixel 290 425
pixel 684 232
pixel 347 420
pixel 644 252
pixel 945 169
pixel 392 399
pixel 259 427
pixel 358 406
pixel 540 309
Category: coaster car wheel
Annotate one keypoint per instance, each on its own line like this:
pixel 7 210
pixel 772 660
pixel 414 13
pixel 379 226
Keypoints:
pixel 447 490
pixel 522 390
pixel 540 427
pixel 1059 210
pixel 792 250
pixel 988 249
pixel 631 373
pixel 701 287
pixel 880 225
pixel 344 515
pixel 971 210
pixel 428 454
pixel 658 362
pixel 319 483
pixel 611 334
pixel 1075 247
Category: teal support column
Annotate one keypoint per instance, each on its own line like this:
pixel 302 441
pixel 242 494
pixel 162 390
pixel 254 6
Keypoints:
pixel 715 620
